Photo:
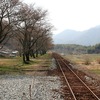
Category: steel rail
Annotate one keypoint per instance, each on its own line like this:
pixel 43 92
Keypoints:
pixel 81 81
pixel 66 80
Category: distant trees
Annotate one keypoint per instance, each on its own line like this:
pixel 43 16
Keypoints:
pixel 94 49
pixel 70 48
pixel 76 49
pixel 29 26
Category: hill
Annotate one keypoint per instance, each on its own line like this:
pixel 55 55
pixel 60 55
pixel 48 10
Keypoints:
pixel 88 37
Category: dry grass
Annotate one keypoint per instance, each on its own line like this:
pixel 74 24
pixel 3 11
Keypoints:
pixel 89 62
pixel 80 59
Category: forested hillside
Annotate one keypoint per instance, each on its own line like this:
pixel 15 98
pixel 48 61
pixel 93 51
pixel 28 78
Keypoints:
pixel 76 49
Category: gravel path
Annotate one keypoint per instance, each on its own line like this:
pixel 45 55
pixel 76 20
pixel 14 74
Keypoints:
pixel 42 87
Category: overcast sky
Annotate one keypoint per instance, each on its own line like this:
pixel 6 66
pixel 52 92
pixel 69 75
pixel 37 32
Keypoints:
pixel 71 14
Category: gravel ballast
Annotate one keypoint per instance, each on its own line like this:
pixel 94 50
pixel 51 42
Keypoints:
pixel 26 87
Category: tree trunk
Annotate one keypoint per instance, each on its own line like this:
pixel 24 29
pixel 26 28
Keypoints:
pixel 36 53
pixel 27 57
pixel 41 53
pixel 33 55
pixel 24 61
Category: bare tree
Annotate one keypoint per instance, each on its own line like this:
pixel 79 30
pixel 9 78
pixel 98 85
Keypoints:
pixel 42 42
pixel 8 9
pixel 29 20
pixel 31 28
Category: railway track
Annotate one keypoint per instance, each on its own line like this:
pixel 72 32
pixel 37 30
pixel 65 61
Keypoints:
pixel 76 88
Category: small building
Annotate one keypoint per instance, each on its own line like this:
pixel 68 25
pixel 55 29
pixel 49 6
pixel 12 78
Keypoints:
pixel 8 53
pixel 4 53
pixel 14 53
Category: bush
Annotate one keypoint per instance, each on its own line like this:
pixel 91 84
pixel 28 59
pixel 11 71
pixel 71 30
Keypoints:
pixel 98 61
pixel 87 61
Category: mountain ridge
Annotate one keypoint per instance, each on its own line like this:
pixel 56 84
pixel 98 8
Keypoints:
pixel 87 37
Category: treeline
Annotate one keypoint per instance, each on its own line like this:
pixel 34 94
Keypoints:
pixel 76 49
pixel 26 26
pixel 94 49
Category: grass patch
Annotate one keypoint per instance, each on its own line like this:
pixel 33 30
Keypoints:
pixel 10 65
pixel 16 66
pixel 95 71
